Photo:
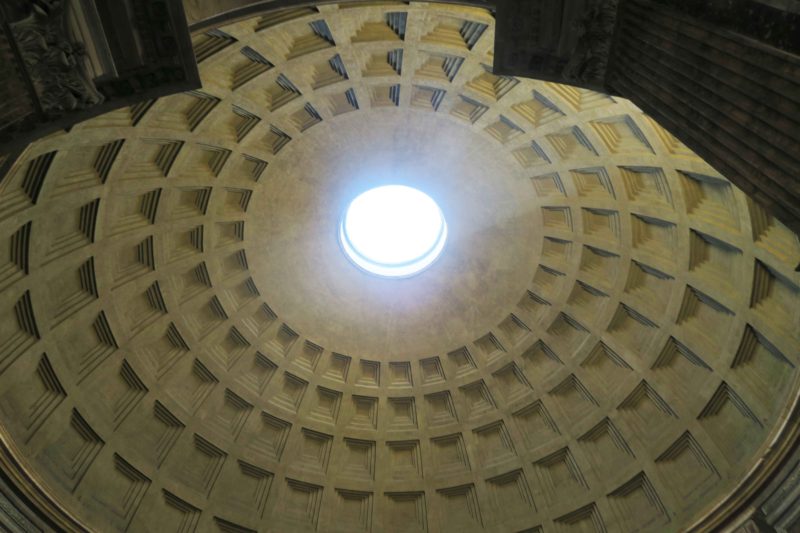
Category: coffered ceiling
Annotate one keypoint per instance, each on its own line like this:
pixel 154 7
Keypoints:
pixel 608 343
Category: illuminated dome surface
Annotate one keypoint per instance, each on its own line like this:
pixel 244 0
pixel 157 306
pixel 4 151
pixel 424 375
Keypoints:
pixel 393 231
pixel 609 341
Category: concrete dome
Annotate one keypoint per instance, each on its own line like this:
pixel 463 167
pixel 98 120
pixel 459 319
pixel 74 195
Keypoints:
pixel 608 343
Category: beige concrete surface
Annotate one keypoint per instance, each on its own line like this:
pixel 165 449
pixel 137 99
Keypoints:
pixel 608 343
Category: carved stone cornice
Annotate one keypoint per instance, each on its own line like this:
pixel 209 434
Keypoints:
pixel 54 61
pixel 139 52
pixel 32 500
pixel 563 41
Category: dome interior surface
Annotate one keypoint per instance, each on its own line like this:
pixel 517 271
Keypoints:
pixel 608 342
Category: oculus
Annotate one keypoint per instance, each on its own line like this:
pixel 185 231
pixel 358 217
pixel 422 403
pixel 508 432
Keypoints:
pixel 393 231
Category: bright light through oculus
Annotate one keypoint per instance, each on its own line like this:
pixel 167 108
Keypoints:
pixel 393 231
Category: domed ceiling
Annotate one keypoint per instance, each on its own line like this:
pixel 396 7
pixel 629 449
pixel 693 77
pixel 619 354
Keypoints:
pixel 608 342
